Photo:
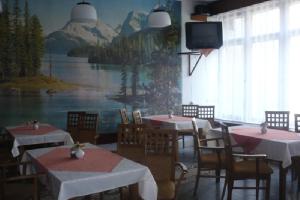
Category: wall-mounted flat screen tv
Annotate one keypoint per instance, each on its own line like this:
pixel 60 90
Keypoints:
pixel 204 35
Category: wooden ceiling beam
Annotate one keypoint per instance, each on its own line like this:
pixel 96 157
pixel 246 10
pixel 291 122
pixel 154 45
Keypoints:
pixel 228 5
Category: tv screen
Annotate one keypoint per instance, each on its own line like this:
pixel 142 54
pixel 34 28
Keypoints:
pixel 204 35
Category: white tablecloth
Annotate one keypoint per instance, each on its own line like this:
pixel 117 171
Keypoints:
pixel 30 139
pixel 177 124
pixel 69 184
pixel 278 150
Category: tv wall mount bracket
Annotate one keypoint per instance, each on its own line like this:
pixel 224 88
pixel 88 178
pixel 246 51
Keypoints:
pixel 192 53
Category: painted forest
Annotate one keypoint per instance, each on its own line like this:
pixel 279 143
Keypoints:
pixel 21 42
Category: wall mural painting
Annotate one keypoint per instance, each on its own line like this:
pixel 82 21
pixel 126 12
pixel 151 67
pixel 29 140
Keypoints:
pixel 51 63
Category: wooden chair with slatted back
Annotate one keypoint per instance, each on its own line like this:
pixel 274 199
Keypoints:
pixel 74 121
pixel 161 154
pixel 131 141
pixel 187 111
pixel 278 119
pixel 137 117
pixel 15 186
pixel 210 158
pixel 296 159
pixel 88 130
pixel 253 166
pixel 124 117
pixel 207 113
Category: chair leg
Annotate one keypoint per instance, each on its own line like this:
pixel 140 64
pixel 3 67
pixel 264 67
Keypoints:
pixel 268 183
pixel 224 188
pixel 217 175
pixel 197 181
pixel 257 188
pixel 229 192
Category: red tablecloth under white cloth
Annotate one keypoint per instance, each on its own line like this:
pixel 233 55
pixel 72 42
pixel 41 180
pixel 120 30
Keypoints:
pixel 176 122
pixel 99 170
pixel 278 145
pixel 27 135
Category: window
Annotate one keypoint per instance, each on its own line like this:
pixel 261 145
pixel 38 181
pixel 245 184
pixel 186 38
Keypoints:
pixel 258 66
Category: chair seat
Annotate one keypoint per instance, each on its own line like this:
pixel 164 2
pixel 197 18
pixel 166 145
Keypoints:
pixel 211 160
pixel 248 169
pixel 166 189
pixel 18 191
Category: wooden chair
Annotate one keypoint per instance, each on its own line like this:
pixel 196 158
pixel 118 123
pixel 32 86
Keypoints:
pixel 74 121
pixel 208 113
pixel 161 152
pixel 209 158
pixel 253 166
pixel 18 187
pixel 124 117
pixel 187 111
pixel 277 119
pixel 137 117
pixel 131 145
pixel 87 131
pixel 131 141
pixel 296 159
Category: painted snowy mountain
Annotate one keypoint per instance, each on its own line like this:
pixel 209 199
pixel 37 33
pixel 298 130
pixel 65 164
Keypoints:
pixel 135 21
pixel 78 34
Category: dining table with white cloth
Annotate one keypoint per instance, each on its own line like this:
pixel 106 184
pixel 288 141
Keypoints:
pixel 99 170
pixel 27 135
pixel 176 122
pixel 278 145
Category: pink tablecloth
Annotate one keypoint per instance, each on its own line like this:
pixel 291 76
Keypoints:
pixel 94 160
pixel 250 137
pixel 29 130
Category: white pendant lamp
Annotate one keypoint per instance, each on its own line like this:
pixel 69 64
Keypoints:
pixel 83 12
pixel 159 18
pixel 1 6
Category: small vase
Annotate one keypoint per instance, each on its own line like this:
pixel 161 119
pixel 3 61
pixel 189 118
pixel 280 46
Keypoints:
pixel 79 153
pixel 35 126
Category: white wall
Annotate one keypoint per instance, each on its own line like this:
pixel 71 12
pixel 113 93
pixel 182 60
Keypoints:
pixel 190 84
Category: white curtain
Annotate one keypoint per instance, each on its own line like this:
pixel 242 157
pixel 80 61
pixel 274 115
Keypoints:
pixel 258 66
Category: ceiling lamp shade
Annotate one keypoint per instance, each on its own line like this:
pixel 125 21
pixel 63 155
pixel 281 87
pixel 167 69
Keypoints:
pixel 159 18
pixel 83 12
pixel 1 6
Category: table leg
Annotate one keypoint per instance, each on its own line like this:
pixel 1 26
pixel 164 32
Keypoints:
pixel 282 181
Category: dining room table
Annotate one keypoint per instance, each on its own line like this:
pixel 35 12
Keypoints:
pixel 97 171
pixel 28 134
pixel 176 122
pixel 278 145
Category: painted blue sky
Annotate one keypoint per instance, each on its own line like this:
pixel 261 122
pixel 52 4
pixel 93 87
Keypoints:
pixel 54 14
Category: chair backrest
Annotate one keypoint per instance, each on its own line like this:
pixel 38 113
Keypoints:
pixel 137 117
pixel 227 146
pixel 297 123
pixel 207 112
pixel 197 134
pixel 74 122
pixel 124 117
pixel 277 119
pixel 161 152
pixel 74 119
pixel 190 110
pixel 88 130
pixel 131 140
